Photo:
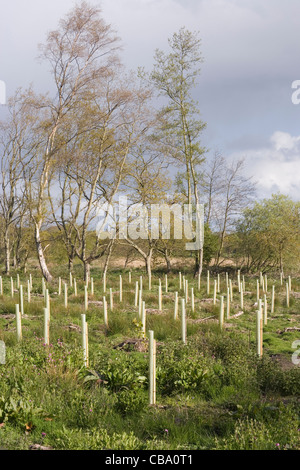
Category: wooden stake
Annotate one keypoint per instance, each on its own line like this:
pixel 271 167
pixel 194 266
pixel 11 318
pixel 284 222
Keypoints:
pixel 87 343
pixel 258 333
pixel 287 294
pixel 221 313
pixel 1 286
pixel 136 294
pixel 273 299
pixel 105 313
pixel 86 299
pixel 18 321
pixel 186 291
pixel 121 289
pixel 176 306
pixel 21 300
pixel 140 303
pixel 183 321
pixel 46 327
pixel 228 304
pixel 141 283
pixel 92 286
pixel 192 299
pixel 104 282
pixel 215 292
pixel 84 339
pixel 152 367
pixel 59 286
pixel 154 371
pixel 111 299
pixel 261 325
pixel 47 302
pixel 28 291
pixel 265 310
pixel 207 283
pixel 144 318
pixel 12 287
pixel 66 295
pixel 75 287
pixel 159 298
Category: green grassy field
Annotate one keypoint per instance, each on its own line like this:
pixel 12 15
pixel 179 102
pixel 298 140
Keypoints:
pixel 213 392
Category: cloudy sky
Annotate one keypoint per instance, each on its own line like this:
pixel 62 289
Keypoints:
pixel 251 51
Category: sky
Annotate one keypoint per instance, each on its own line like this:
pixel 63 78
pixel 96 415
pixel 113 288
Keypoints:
pixel 251 51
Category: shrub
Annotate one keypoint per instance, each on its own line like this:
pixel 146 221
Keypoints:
pixel 123 372
pixel 180 369
pixel 130 401
pixel 280 431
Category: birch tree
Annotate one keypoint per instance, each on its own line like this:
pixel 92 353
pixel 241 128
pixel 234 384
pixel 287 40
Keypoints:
pixel 16 153
pixel 175 76
pixel 79 53
pixel 147 183
pixel 109 123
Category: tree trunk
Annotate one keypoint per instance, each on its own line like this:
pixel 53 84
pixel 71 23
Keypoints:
pixel 199 263
pixel 7 253
pixel 71 262
pixel 25 261
pixel 148 260
pixel 108 257
pixel 87 271
pixel 220 249
pixel 168 261
pixel 41 256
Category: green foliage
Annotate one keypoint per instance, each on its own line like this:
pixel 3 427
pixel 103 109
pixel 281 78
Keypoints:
pixel 273 379
pixel 95 439
pixel 180 369
pixel 268 233
pixel 252 434
pixel 131 401
pixel 210 391
pixel 18 411
pixel 211 244
pixel 122 372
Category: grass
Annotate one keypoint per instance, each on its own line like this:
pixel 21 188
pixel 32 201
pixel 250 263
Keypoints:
pixel 212 393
